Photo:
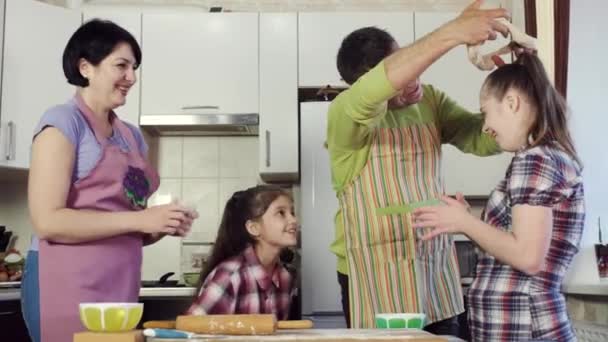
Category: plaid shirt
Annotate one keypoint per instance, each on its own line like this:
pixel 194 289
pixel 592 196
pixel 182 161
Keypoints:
pixel 241 285
pixel 504 303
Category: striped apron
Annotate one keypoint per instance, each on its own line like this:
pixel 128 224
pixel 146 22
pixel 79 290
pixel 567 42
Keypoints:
pixel 390 269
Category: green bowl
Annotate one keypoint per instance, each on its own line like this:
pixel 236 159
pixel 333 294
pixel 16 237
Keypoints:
pixel 191 278
pixel 400 320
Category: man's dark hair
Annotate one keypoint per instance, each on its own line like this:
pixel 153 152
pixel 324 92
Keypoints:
pixel 362 50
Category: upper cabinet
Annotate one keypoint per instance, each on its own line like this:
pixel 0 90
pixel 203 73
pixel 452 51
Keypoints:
pixel 278 142
pixel 461 81
pixel 320 36
pixel 200 63
pixel 130 21
pixel 35 35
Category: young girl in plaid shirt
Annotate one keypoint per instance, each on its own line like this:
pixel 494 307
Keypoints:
pixel 244 275
pixel 533 222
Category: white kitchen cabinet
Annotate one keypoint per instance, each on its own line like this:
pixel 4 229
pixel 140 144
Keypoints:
pixel 35 36
pixel 320 36
pixel 200 63
pixel 278 130
pixel 460 80
pixel 130 21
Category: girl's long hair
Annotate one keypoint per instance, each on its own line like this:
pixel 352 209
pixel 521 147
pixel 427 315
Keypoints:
pixel 233 237
pixel 527 74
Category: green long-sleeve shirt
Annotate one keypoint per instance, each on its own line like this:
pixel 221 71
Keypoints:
pixel 356 112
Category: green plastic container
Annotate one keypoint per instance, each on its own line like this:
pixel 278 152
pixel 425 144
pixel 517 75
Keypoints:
pixel 400 320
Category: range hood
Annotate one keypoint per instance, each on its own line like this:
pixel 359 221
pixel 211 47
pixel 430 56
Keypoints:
pixel 200 124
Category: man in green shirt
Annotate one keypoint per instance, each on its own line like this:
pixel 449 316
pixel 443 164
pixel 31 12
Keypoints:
pixel 384 138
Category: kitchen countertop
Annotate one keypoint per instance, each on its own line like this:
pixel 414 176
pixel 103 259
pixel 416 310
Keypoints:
pixel 145 292
pixel 167 291
pixel 596 289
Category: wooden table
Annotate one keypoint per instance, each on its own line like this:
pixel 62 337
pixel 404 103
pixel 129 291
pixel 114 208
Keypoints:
pixel 324 335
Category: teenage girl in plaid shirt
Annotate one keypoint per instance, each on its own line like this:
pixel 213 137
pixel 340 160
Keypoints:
pixel 533 221
pixel 244 275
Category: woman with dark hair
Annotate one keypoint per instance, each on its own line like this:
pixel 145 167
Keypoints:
pixel 89 183
pixel 244 274
pixel 533 222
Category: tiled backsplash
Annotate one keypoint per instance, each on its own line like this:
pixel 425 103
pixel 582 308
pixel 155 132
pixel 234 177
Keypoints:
pixel 204 172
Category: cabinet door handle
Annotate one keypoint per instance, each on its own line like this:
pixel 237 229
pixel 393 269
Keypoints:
pixel 6 313
pixel 267 148
pixel 200 107
pixel 10 140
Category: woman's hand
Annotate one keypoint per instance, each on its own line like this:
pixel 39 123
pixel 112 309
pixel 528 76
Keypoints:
pixel 186 225
pixel 453 217
pixel 171 219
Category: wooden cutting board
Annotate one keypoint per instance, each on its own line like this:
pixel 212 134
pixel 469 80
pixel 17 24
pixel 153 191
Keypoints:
pixel 322 335
pixel 128 336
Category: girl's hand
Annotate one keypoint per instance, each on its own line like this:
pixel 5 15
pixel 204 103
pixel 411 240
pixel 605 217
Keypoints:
pixel 460 198
pixel 453 217
pixel 172 219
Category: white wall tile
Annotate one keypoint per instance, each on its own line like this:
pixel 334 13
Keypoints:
pixel 203 194
pixel 170 157
pixel 168 190
pixel 162 257
pixel 205 173
pixel 165 255
pixel 192 252
pixel 228 186
pixel 201 157
pixel 239 157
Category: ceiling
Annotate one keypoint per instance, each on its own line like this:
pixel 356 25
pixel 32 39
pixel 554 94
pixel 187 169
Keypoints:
pixel 292 5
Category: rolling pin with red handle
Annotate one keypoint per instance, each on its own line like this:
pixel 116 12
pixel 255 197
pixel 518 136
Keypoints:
pixel 258 324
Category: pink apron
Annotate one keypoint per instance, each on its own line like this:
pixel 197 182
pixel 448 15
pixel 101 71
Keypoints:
pixel 107 270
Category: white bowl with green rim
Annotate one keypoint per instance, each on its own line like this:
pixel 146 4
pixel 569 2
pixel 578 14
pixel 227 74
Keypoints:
pixel 400 320
pixel 111 317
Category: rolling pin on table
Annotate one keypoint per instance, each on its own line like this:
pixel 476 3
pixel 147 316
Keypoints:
pixel 259 324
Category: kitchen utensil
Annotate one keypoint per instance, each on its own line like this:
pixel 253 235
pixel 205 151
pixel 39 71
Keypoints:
pixel 4 240
pixel 110 317
pixel 400 320
pixel 167 333
pixel 230 324
pixel 161 282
